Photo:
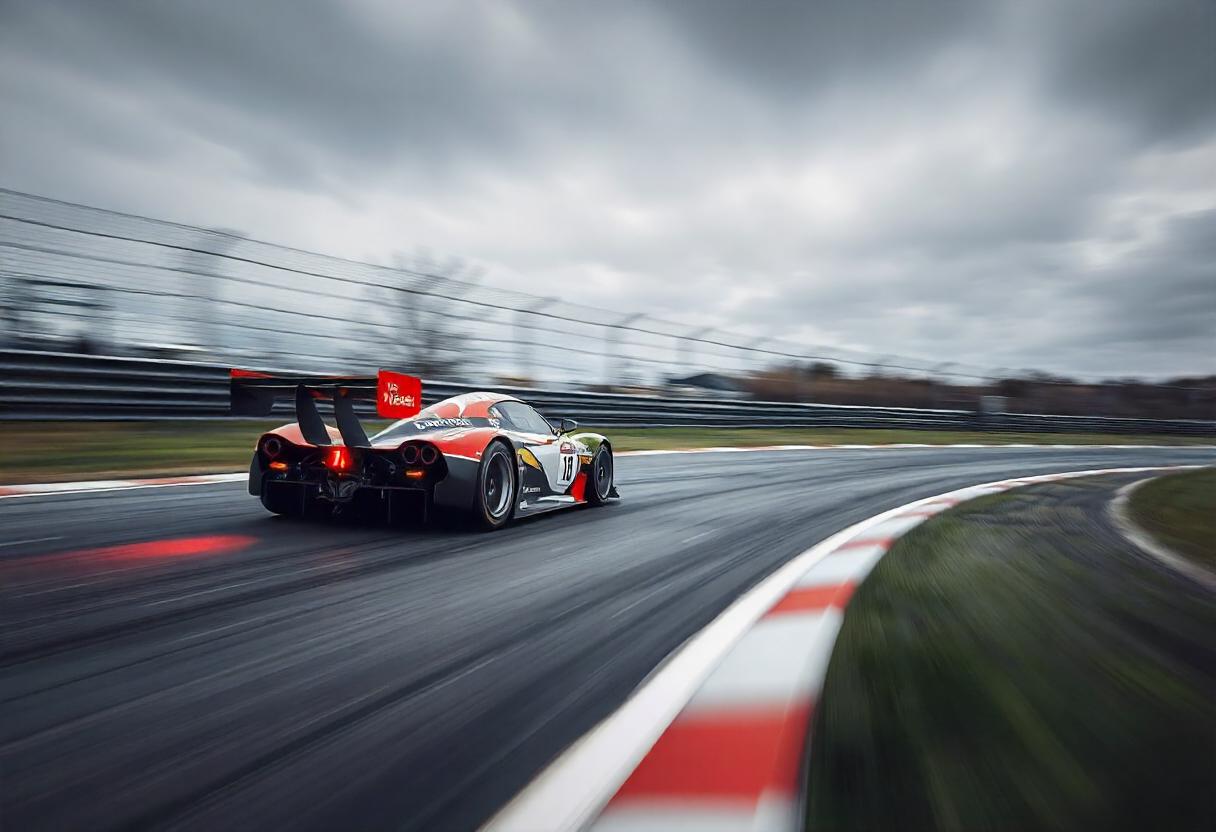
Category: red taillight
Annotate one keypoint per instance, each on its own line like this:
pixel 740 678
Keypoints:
pixel 339 459
pixel 278 466
pixel 414 473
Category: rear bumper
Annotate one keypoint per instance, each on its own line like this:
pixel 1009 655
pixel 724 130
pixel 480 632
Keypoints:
pixel 455 490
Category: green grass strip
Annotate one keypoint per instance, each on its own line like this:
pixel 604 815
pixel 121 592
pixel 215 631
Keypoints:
pixel 1180 511
pixel 1003 669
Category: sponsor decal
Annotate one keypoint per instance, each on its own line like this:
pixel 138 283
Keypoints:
pixel 532 489
pixel 431 424
pixel 398 396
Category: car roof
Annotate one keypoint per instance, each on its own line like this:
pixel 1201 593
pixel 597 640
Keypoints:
pixel 466 405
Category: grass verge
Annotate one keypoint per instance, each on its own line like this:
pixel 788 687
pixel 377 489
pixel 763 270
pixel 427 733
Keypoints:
pixel 1006 667
pixel 1180 511
pixel 44 451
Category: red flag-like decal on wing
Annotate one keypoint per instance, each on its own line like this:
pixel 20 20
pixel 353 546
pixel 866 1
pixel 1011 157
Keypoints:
pixel 398 396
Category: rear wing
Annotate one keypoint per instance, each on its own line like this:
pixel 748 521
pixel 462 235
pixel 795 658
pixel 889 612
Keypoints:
pixel 397 396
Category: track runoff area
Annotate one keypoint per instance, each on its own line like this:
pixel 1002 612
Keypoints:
pixel 696 572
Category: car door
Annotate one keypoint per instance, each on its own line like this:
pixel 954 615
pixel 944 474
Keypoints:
pixel 557 456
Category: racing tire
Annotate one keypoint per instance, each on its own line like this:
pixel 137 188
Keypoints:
pixel 497 479
pixel 599 479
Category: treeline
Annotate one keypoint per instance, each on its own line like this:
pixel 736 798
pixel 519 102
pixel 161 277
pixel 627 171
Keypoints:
pixel 1181 398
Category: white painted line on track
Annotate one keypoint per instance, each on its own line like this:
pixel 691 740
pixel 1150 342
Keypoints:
pixel 724 816
pixel 53 489
pixel 568 794
pixel 1142 539
pixel 760 674
pixel 30 540
pixel 101 486
pixel 571 792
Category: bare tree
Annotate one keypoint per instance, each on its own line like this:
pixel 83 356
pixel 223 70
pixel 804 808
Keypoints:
pixel 433 327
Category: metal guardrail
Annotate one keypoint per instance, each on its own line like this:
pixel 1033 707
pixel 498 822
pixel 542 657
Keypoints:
pixel 74 274
pixel 48 385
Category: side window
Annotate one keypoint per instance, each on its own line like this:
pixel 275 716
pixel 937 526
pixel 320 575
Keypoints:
pixel 541 423
pixel 521 417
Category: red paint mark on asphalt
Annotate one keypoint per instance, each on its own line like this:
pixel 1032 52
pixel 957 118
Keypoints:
pixel 171 548
pixel 802 599
pixel 737 754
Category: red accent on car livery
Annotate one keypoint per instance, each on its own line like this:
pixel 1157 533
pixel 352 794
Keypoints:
pixel 238 373
pixel 466 442
pixel 578 488
pixel 466 406
pixel 398 396
pixel 293 434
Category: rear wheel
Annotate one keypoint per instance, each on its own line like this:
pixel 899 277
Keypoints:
pixel 494 503
pixel 599 480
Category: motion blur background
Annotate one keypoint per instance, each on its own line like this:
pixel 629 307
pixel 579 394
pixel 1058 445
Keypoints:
pixel 806 202
pixel 688 223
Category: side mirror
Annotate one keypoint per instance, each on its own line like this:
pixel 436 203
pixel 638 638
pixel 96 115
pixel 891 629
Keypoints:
pixel 566 425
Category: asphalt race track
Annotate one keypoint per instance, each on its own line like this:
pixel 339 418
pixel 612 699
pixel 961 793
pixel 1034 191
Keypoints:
pixel 237 670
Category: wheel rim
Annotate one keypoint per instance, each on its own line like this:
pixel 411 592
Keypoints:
pixel 497 488
pixel 603 474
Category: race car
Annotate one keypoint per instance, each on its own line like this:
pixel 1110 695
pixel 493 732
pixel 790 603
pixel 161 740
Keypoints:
pixel 489 455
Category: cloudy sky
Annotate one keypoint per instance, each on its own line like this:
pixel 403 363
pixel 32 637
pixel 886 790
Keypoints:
pixel 1023 183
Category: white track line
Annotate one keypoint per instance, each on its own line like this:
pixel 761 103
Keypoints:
pixel 573 789
pixel 54 489
pixel 570 792
pixel 1136 534
pixel 101 486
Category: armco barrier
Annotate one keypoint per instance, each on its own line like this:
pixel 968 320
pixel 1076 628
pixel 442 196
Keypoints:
pixel 47 385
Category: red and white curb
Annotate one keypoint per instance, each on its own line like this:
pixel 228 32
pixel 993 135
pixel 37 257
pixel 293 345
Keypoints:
pixel 94 486
pixel 714 739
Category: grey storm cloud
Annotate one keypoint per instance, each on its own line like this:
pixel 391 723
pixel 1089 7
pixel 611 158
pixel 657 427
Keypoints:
pixel 1014 183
